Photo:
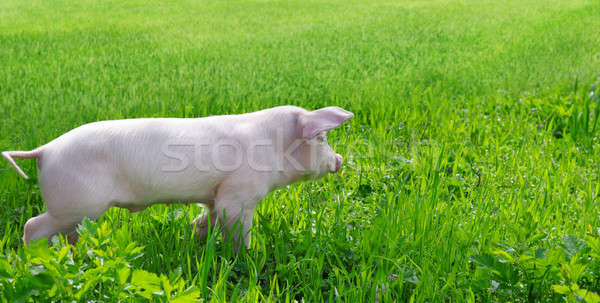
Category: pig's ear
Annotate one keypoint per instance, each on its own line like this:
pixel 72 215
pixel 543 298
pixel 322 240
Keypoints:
pixel 323 119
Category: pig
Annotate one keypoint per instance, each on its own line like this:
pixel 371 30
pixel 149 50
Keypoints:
pixel 225 163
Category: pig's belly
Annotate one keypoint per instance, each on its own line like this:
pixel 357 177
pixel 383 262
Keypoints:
pixel 182 188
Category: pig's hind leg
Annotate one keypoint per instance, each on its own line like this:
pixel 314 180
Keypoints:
pixel 205 222
pixel 69 199
pixel 61 220
pixel 64 212
pixel 45 226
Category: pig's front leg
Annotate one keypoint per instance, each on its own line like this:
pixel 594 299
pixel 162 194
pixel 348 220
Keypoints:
pixel 234 206
pixel 236 220
pixel 243 223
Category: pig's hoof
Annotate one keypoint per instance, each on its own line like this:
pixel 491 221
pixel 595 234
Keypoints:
pixel 73 237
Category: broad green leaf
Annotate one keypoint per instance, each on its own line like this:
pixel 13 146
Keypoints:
pixel 6 271
pixel 189 295
pixel 149 283
pixel 39 251
pixel 62 253
pixel 484 260
pixel 123 274
pixel 561 289
pixel 43 280
pixel 540 253
pixel 503 256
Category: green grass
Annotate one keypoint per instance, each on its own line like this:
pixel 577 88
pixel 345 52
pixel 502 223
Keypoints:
pixel 471 167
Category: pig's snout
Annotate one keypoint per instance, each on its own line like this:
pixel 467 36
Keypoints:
pixel 338 162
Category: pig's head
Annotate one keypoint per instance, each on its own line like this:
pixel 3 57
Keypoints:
pixel 315 156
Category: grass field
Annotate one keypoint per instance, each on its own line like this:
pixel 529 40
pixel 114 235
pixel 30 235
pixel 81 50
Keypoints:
pixel 471 167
